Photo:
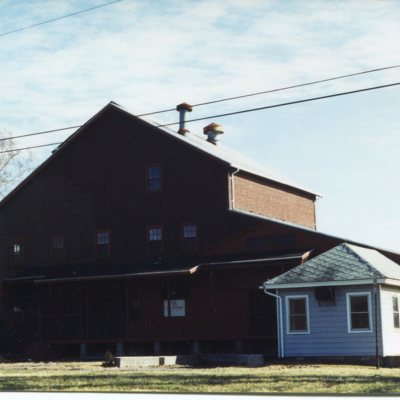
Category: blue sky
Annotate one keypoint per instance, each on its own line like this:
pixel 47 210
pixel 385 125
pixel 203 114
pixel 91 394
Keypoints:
pixel 151 55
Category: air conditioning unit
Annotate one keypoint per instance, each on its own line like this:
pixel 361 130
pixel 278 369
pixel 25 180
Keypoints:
pixel 325 294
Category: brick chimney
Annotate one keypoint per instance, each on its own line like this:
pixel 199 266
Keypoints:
pixel 183 108
pixel 213 132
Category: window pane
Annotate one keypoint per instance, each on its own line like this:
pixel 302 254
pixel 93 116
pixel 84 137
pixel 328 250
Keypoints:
pixel 359 303
pixel 153 178
pixel 360 321
pixel 298 315
pixel 155 234
pixel 189 231
pixel 396 320
pixel 58 242
pixel 298 323
pixel 359 312
pixel 395 304
pixel 154 172
pixel 103 237
pixel 16 249
pixel 297 306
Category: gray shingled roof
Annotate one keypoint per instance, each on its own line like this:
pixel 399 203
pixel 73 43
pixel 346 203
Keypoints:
pixel 343 263
pixel 221 152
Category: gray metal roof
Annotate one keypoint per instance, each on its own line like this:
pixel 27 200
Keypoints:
pixel 341 264
pixel 234 159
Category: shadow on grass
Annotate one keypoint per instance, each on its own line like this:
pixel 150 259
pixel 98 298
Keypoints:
pixel 204 383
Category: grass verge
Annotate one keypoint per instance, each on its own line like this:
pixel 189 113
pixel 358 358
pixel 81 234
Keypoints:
pixel 277 378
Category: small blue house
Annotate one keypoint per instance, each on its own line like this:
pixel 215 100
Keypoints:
pixel 342 303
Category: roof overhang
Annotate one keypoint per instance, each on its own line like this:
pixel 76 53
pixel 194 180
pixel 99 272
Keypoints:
pixel 354 282
pixel 24 279
pixel 284 257
pixel 187 271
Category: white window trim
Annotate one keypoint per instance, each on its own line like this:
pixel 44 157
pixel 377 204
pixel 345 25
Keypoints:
pixel 288 331
pixel 396 329
pixel 348 295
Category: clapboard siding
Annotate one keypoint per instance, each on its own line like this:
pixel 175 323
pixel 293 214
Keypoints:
pixel 329 334
pixel 390 334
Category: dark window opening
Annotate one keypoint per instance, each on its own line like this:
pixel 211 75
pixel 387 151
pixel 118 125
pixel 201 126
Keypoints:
pixel 359 312
pixel 17 252
pixel 298 315
pixel 153 178
pixel 155 240
pixel 58 247
pixel 189 238
pixel 103 244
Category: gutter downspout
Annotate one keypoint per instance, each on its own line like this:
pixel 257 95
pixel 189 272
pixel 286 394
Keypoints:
pixel 233 188
pixel 381 319
pixel 281 351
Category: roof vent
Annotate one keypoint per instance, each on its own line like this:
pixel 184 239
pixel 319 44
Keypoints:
pixel 183 108
pixel 213 132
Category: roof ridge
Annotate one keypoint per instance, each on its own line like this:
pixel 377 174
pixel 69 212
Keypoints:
pixel 362 259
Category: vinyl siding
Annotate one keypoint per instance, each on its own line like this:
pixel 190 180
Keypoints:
pixel 391 335
pixel 328 328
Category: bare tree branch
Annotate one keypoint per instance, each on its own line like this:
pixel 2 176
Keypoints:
pixel 12 166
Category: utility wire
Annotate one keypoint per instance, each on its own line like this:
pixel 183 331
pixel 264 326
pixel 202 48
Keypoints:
pixel 40 133
pixel 28 148
pixel 285 104
pixel 277 90
pixel 219 100
pixel 245 111
pixel 296 86
pixel 58 18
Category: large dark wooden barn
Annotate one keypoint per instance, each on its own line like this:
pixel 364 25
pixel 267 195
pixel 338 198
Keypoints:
pixel 144 240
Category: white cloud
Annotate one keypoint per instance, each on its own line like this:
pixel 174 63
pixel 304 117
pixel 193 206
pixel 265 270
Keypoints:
pixel 153 55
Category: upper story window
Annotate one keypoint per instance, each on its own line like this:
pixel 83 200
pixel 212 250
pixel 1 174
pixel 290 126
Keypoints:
pixel 189 238
pixel 396 320
pixel 103 244
pixel 155 240
pixel 154 178
pixel 359 312
pixel 297 314
pixel 58 247
pixel 17 252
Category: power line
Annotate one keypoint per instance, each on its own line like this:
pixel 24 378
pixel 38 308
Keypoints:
pixel 28 148
pixel 244 111
pixel 296 86
pixel 285 104
pixel 278 90
pixel 58 18
pixel 40 133
pixel 219 100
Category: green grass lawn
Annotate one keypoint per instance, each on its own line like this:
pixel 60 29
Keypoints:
pixel 276 378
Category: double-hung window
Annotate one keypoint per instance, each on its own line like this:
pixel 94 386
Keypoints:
pixel 359 312
pixel 155 240
pixel 297 314
pixel 189 238
pixel 396 320
pixel 58 247
pixel 153 178
pixel 17 252
pixel 102 244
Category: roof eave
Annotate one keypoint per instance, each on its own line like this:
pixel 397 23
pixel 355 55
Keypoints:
pixel 353 282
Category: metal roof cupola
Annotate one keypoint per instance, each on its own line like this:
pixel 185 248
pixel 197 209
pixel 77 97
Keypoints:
pixel 183 108
pixel 213 132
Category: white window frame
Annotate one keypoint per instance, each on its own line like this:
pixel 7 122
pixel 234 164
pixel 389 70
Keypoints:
pixel 358 294
pixel 288 330
pixel 396 328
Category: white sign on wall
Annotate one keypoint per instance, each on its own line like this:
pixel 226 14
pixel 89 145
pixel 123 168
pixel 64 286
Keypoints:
pixel 174 308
